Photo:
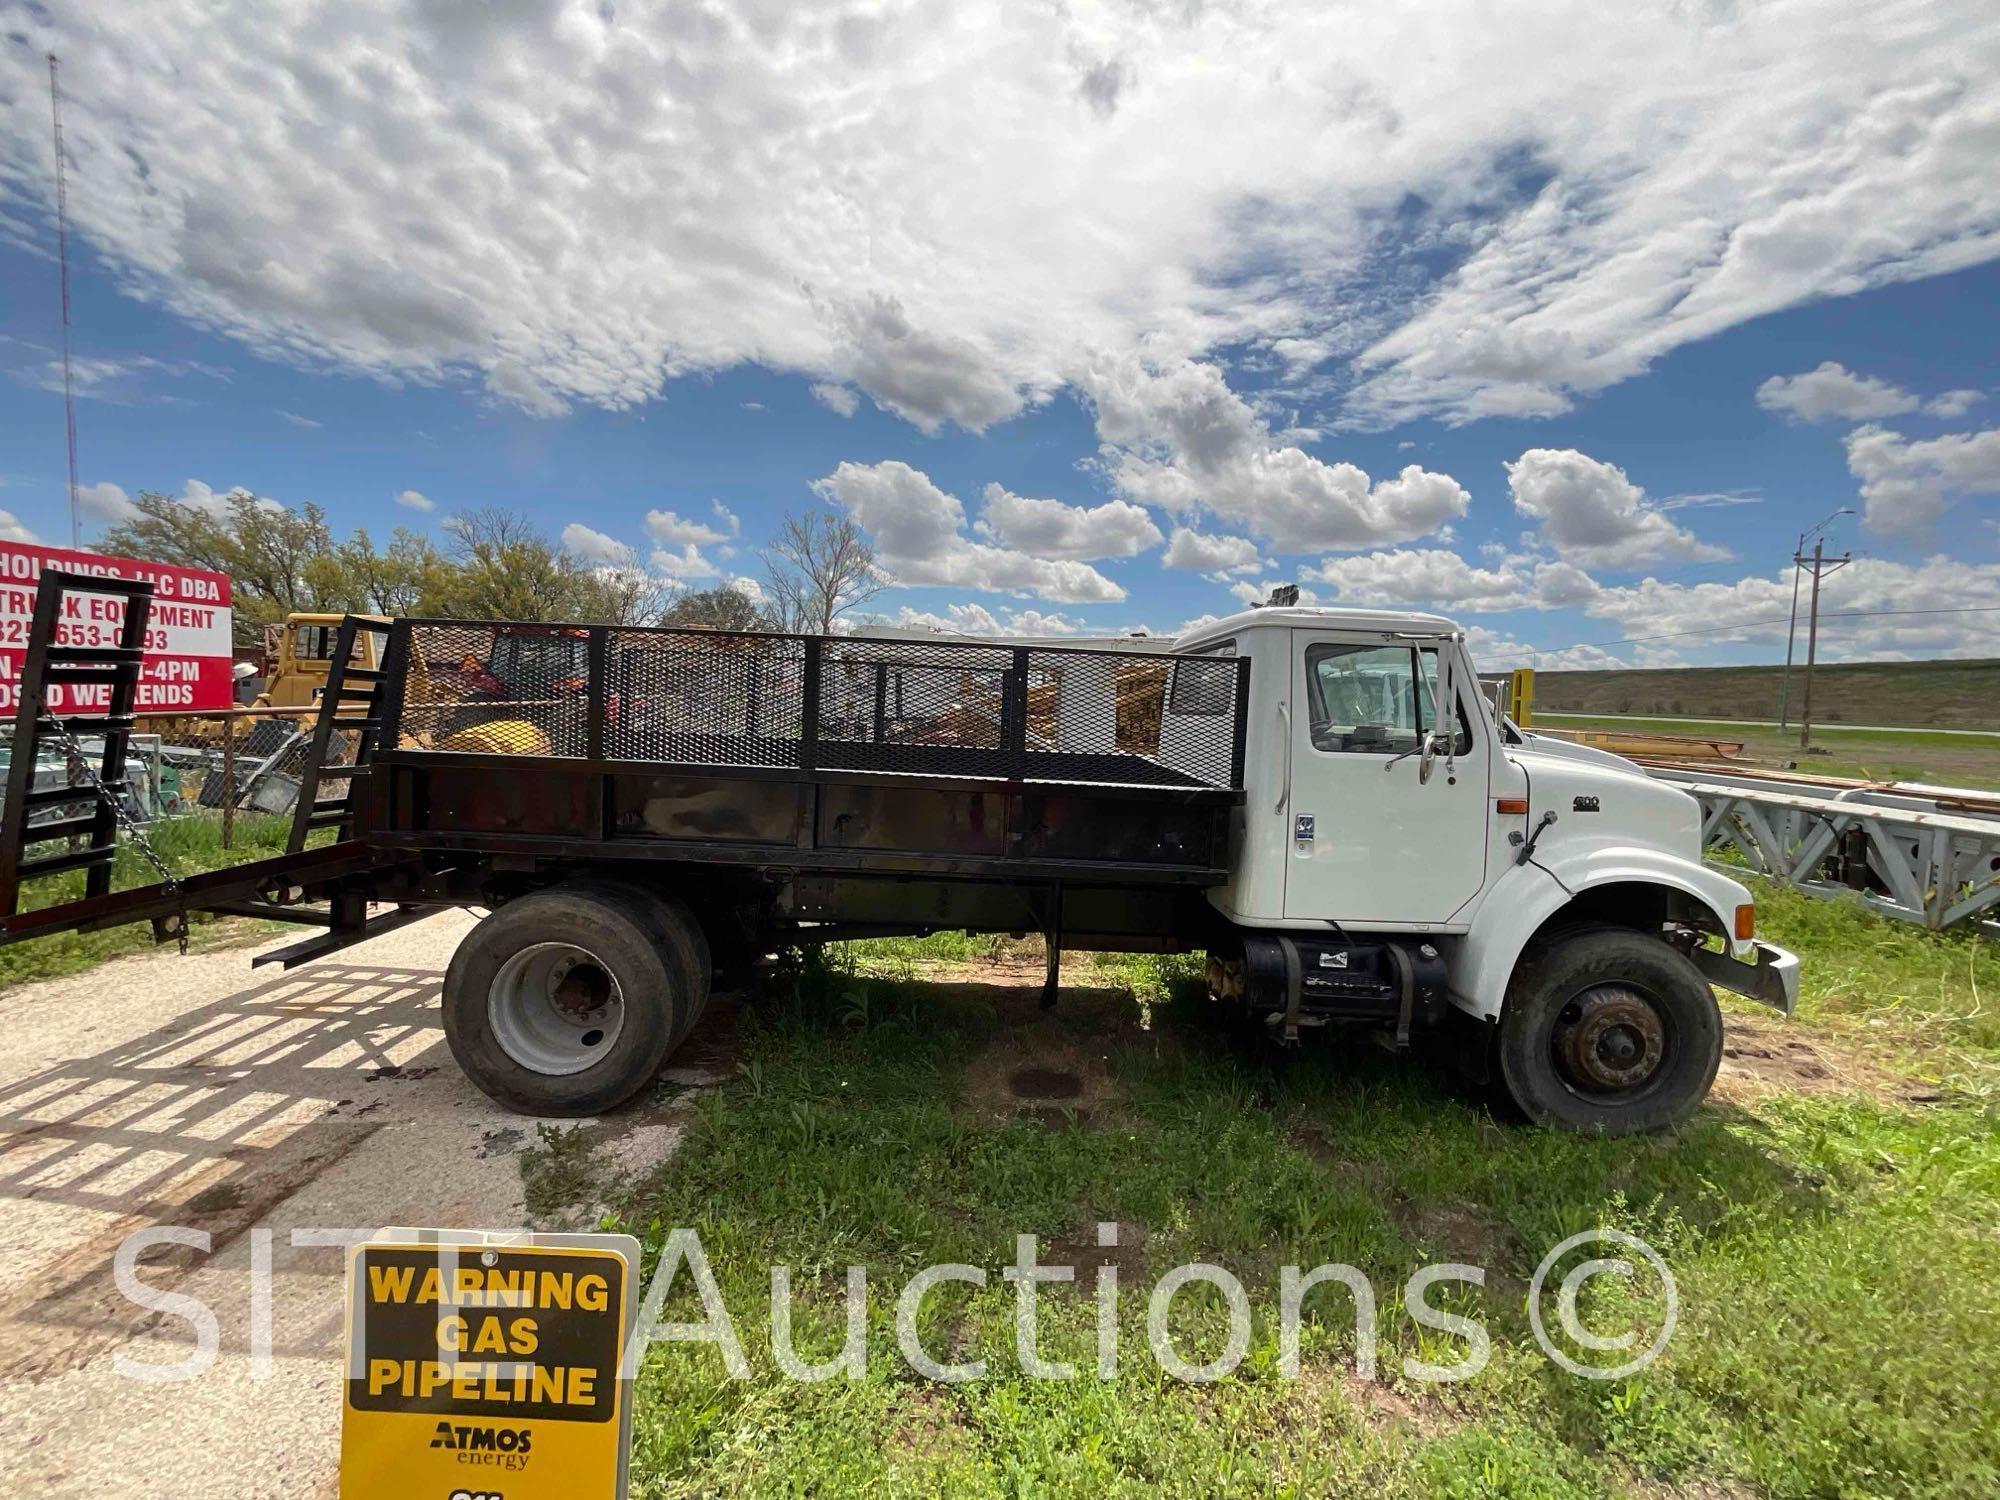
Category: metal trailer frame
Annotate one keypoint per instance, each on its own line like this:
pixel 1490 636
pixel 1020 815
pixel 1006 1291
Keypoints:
pixel 1925 855
pixel 859 834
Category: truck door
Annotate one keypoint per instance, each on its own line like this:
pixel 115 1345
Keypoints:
pixel 1370 843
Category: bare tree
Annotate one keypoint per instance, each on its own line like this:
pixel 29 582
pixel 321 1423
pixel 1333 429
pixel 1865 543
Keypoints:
pixel 819 567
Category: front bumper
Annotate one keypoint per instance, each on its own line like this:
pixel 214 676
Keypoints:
pixel 1773 978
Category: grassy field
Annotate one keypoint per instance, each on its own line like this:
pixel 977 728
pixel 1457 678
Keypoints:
pixel 1890 755
pixel 187 845
pixel 1830 1219
pixel 1939 694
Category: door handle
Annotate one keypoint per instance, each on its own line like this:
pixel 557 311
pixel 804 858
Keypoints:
pixel 1285 758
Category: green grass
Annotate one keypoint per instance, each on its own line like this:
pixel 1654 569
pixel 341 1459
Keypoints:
pixel 1720 729
pixel 187 845
pixel 1949 694
pixel 1836 1254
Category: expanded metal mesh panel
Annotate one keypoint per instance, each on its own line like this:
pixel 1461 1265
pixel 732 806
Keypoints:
pixel 1104 716
pixel 922 708
pixel 497 689
pixel 1199 726
pixel 704 698
pixel 919 707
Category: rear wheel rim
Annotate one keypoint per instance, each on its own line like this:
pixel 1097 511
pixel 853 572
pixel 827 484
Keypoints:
pixel 555 1008
pixel 1610 1043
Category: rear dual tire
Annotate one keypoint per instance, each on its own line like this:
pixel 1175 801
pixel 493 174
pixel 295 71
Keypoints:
pixel 569 1001
pixel 1609 1032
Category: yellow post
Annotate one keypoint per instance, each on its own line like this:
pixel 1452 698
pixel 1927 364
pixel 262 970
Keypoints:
pixel 1521 695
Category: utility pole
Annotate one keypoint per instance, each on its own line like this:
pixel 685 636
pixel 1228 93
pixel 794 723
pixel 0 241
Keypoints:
pixel 1792 630
pixel 1791 635
pixel 62 258
pixel 1820 565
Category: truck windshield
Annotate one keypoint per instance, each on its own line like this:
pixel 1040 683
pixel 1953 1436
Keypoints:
pixel 312 642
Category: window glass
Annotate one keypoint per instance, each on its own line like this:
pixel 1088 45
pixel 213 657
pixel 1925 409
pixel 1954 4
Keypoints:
pixel 1363 699
pixel 312 642
pixel 1202 687
pixel 1427 693
pixel 1375 700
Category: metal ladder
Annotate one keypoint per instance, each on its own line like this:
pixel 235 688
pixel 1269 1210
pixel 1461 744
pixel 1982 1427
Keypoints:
pixel 50 661
pixel 348 686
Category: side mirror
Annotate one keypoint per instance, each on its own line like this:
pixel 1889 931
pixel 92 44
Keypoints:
pixel 1435 744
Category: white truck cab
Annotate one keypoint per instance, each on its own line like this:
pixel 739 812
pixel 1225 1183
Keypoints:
pixel 1557 902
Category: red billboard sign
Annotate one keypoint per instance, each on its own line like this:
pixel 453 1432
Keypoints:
pixel 187 634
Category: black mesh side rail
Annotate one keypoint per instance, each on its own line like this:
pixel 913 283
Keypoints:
pixel 706 698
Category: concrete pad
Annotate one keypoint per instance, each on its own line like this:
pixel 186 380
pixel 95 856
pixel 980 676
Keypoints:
pixel 245 1105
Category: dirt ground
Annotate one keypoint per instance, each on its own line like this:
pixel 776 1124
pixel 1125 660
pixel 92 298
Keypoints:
pixel 200 1092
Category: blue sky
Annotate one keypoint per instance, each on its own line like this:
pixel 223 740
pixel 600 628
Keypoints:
pixel 1074 363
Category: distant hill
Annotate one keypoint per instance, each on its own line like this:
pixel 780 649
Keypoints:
pixel 1905 694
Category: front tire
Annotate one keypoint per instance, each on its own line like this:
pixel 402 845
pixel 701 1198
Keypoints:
pixel 1609 1032
pixel 569 1001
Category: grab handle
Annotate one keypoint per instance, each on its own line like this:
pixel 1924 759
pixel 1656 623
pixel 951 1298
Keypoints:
pixel 1284 757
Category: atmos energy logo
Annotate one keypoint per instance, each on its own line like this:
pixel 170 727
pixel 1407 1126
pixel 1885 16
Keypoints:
pixel 504 1446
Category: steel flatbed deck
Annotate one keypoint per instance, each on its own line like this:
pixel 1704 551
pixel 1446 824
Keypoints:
pixel 483 757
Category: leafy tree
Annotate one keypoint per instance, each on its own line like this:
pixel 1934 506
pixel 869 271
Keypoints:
pixel 718 609
pixel 505 569
pixel 401 579
pixel 280 560
pixel 820 567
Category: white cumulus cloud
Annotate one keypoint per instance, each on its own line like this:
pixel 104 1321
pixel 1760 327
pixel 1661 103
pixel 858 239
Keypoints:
pixel 1907 485
pixel 1439 579
pixel 1592 514
pixel 670 529
pixel 1212 554
pixel 1177 436
pixel 920 539
pixel 416 500
pixel 955 209
pixel 594 546
pixel 1049 528
pixel 105 503
pixel 1833 391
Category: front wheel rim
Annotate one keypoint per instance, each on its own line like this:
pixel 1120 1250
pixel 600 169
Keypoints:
pixel 556 1008
pixel 1610 1043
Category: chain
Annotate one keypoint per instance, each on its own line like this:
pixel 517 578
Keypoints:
pixel 73 752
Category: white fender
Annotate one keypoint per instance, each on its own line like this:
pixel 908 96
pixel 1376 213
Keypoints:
pixel 1482 962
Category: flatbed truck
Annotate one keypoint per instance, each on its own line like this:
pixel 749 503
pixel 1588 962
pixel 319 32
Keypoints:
pixel 1320 800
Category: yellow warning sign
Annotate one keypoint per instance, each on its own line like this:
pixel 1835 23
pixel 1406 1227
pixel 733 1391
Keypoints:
pixel 487 1370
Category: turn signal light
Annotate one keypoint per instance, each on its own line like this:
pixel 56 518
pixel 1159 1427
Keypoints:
pixel 1511 805
pixel 1746 922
